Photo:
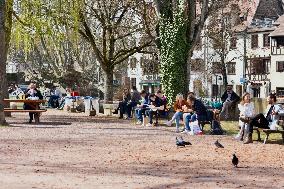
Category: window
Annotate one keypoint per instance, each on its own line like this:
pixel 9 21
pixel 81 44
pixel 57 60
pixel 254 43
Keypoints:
pixel 266 40
pixel 280 66
pixel 133 82
pixel 231 68
pixel 233 42
pixel 254 41
pixel 133 62
pixel 259 66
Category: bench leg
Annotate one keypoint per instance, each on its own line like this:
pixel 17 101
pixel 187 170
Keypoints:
pixel 258 135
pixel 266 138
pixel 36 118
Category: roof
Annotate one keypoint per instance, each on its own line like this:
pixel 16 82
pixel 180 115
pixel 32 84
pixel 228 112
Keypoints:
pixel 269 9
pixel 279 31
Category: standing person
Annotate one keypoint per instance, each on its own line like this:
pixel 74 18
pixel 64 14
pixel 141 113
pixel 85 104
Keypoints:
pixel 230 100
pixel 246 108
pixel 179 105
pixel 265 121
pixel 32 91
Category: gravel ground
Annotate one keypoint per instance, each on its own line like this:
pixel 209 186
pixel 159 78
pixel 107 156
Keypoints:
pixel 69 150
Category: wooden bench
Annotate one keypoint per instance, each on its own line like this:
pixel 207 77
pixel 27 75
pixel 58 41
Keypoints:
pixel 269 131
pixel 27 111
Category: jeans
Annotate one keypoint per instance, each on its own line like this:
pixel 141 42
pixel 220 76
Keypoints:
pixel 177 116
pixel 150 114
pixel 139 112
pixel 187 118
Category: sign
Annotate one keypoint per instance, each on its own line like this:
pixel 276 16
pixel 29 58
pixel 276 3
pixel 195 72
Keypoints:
pixel 154 77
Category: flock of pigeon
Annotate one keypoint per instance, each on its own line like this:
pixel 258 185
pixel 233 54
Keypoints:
pixel 181 143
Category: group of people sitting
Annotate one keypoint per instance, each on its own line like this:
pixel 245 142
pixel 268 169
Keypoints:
pixel 191 109
pixel 248 119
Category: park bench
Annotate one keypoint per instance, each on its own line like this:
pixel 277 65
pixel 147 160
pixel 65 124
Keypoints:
pixel 37 112
pixel 32 103
pixel 269 131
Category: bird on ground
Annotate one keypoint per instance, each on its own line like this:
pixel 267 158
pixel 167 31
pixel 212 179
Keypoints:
pixel 235 160
pixel 185 142
pixel 179 142
pixel 218 144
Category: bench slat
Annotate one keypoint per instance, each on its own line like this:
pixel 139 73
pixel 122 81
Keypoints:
pixel 20 110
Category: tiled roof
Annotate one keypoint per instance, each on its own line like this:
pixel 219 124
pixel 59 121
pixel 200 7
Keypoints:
pixel 269 9
pixel 279 31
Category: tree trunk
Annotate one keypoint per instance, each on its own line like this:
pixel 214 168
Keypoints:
pixel 108 85
pixel 3 58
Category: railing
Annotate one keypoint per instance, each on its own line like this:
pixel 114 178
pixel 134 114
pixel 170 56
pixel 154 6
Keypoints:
pixel 277 50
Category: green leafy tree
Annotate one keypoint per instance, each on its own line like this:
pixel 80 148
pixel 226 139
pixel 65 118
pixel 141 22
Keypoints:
pixel 180 24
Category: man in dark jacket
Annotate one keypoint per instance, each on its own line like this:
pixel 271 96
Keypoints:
pixel 230 100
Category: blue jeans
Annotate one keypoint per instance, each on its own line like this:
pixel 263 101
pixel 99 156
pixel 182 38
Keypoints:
pixel 187 119
pixel 139 112
pixel 177 116
pixel 150 114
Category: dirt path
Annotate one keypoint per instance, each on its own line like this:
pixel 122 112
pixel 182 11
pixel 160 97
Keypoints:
pixel 73 151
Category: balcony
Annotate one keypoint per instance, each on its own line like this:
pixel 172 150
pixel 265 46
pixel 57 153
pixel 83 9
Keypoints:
pixel 277 50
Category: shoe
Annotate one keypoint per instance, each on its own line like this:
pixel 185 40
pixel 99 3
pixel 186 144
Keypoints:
pixel 139 122
pixel 169 123
pixel 238 137
pixel 186 132
pixel 149 125
pixel 248 139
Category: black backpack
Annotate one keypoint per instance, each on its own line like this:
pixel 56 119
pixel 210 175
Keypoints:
pixel 216 128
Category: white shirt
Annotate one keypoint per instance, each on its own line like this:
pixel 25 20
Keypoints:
pixel 246 110
pixel 274 118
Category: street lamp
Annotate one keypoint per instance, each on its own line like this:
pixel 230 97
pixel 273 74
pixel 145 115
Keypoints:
pixel 216 80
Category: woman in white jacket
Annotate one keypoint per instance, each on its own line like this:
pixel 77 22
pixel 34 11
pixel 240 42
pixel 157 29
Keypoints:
pixel 247 111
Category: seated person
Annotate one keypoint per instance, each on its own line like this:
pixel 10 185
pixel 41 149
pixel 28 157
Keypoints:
pixel 32 91
pixel 155 105
pixel 246 108
pixel 135 99
pixel 230 100
pixel 265 121
pixel 189 115
pixel 124 105
pixel 179 106
pixel 54 98
pixel 141 107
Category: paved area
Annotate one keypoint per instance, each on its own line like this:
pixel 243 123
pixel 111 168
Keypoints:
pixel 74 151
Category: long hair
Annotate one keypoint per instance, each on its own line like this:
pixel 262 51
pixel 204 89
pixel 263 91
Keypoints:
pixel 243 98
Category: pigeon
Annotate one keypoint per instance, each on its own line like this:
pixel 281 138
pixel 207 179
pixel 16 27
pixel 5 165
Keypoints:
pixel 235 160
pixel 185 143
pixel 179 142
pixel 218 145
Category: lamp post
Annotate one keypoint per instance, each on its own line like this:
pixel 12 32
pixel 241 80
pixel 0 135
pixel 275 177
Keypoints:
pixel 217 77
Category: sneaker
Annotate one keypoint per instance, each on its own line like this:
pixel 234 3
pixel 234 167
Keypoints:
pixel 138 122
pixel 185 131
pixel 169 123
pixel 149 125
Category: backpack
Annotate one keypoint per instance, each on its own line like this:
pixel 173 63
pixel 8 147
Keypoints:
pixel 216 128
